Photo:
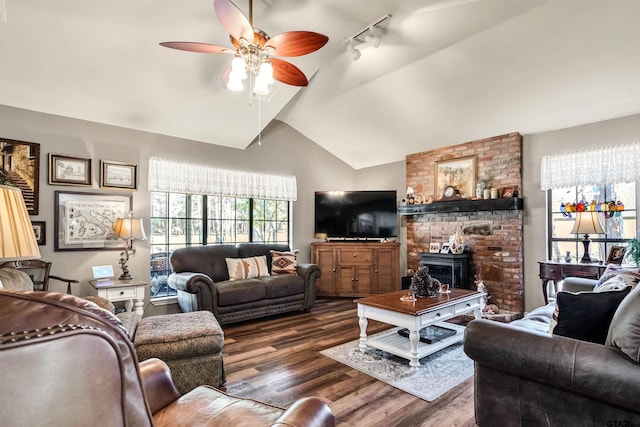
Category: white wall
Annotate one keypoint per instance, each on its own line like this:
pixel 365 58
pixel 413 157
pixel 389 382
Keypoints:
pixel 625 130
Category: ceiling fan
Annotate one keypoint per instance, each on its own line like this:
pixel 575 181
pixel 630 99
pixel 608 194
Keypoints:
pixel 254 50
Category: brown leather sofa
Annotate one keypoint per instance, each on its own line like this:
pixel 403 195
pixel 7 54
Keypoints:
pixel 67 362
pixel 525 376
pixel 201 279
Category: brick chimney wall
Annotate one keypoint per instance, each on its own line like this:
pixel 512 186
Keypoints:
pixel 494 237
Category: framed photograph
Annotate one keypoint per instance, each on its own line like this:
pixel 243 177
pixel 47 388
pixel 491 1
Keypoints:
pixel 616 254
pixel 116 175
pixel 434 247
pixel 508 192
pixel 86 221
pixel 40 230
pixel 445 248
pixel 459 173
pixel 20 167
pixel 69 170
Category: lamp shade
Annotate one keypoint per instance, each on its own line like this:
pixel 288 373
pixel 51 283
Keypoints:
pixel 17 239
pixel 130 229
pixel 587 223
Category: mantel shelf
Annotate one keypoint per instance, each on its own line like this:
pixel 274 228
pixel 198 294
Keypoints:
pixel 501 204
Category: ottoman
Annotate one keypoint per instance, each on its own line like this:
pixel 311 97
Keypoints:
pixel 190 343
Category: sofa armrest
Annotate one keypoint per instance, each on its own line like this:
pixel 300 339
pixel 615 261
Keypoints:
pixel 157 384
pixel 599 372
pixel 197 288
pixel 578 284
pixel 308 411
pixel 310 273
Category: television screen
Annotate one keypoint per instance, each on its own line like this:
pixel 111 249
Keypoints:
pixel 356 214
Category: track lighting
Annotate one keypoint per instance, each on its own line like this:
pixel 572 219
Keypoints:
pixel 355 53
pixel 371 35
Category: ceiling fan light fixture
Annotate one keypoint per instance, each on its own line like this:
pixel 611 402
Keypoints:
pixel 266 70
pixel 261 87
pixel 239 68
pixel 235 84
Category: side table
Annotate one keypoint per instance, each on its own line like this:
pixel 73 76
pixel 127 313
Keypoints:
pixel 556 271
pixel 121 290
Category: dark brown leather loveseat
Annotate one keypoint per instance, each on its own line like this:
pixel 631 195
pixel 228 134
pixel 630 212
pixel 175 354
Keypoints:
pixel 202 281
pixel 66 362
pixel 525 376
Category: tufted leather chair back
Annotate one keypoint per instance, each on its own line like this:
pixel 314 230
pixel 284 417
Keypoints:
pixel 66 362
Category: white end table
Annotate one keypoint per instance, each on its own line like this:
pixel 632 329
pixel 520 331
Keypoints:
pixel 121 290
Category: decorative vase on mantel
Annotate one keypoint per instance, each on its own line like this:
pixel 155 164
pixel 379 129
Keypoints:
pixel 456 243
pixel 423 285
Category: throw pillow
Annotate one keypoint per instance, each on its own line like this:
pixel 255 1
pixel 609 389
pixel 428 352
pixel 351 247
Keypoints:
pixel 631 276
pixel 284 262
pixel 624 332
pixel 586 316
pixel 247 268
pixel 613 284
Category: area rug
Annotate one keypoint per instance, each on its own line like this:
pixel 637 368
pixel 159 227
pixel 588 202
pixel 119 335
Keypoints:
pixel 438 373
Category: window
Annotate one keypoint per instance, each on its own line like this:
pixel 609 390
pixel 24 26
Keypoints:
pixel 179 220
pixel 618 228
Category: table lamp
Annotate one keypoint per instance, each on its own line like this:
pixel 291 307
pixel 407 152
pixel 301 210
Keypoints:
pixel 128 229
pixel 17 239
pixel 587 223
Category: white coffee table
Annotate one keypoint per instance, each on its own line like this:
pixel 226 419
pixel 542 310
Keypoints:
pixel 423 312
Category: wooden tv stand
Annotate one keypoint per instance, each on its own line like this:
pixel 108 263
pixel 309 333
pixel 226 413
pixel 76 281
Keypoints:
pixel 356 269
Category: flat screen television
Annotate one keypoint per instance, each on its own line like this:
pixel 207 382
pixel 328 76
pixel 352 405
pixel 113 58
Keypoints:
pixel 356 214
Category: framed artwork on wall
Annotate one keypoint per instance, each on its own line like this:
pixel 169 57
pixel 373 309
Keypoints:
pixel 459 173
pixel 117 175
pixel 20 167
pixel 40 230
pixel 69 170
pixel 86 221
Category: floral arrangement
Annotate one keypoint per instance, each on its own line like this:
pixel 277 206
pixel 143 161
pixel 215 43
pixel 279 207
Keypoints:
pixel 423 285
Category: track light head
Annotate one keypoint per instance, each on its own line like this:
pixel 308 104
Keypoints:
pixel 355 53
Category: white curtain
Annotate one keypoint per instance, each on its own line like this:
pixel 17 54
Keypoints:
pixel 182 177
pixel 599 166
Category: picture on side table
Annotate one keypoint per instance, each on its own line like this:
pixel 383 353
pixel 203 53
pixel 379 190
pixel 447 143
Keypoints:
pixel 20 167
pixel 459 173
pixel 118 175
pixel 69 170
pixel 616 254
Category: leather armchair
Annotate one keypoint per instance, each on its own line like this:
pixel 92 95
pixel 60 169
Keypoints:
pixel 68 362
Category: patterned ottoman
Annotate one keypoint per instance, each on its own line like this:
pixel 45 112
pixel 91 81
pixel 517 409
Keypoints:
pixel 190 343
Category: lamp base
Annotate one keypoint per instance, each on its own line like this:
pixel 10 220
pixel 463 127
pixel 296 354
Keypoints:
pixel 586 259
pixel 125 276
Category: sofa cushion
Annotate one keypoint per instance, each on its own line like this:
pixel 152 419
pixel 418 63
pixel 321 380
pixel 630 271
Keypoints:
pixel 283 285
pixel 247 268
pixel 586 315
pixel 284 262
pixel 631 276
pixel 209 260
pixel 240 291
pixel 624 331
pixel 256 249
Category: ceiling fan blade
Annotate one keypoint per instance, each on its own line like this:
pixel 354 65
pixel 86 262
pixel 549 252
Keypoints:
pixel 233 20
pixel 297 43
pixel 197 47
pixel 288 73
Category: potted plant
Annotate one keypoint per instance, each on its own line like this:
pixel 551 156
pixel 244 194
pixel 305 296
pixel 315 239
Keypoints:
pixel 633 250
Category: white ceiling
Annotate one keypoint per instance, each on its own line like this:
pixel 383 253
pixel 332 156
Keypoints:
pixel 446 72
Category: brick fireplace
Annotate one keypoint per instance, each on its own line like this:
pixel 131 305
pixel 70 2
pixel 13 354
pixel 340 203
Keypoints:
pixel 494 237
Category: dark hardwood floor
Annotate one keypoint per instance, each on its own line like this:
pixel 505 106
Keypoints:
pixel 277 360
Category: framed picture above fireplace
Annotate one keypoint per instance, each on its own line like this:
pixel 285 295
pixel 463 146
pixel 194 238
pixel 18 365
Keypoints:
pixel 459 173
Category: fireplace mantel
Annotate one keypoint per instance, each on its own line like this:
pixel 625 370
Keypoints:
pixel 501 204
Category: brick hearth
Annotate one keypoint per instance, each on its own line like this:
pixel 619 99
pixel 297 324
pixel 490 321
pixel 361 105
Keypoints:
pixel 497 257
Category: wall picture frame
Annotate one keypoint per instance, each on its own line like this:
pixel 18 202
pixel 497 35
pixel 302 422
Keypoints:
pixel 20 167
pixel 69 170
pixel 40 231
pixel 616 254
pixel 118 175
pixel 85 220
pixel 459 173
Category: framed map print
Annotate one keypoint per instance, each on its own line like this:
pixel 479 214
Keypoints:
pixel 86 221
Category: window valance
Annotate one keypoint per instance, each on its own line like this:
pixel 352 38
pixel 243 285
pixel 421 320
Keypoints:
pixel 599 166
pixel 183 177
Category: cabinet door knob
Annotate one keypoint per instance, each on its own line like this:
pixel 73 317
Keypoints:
pixel 438 314
pixel 355 255
pixel 121 292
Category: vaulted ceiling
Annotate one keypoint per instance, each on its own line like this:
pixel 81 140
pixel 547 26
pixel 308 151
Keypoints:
pixel 446 71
